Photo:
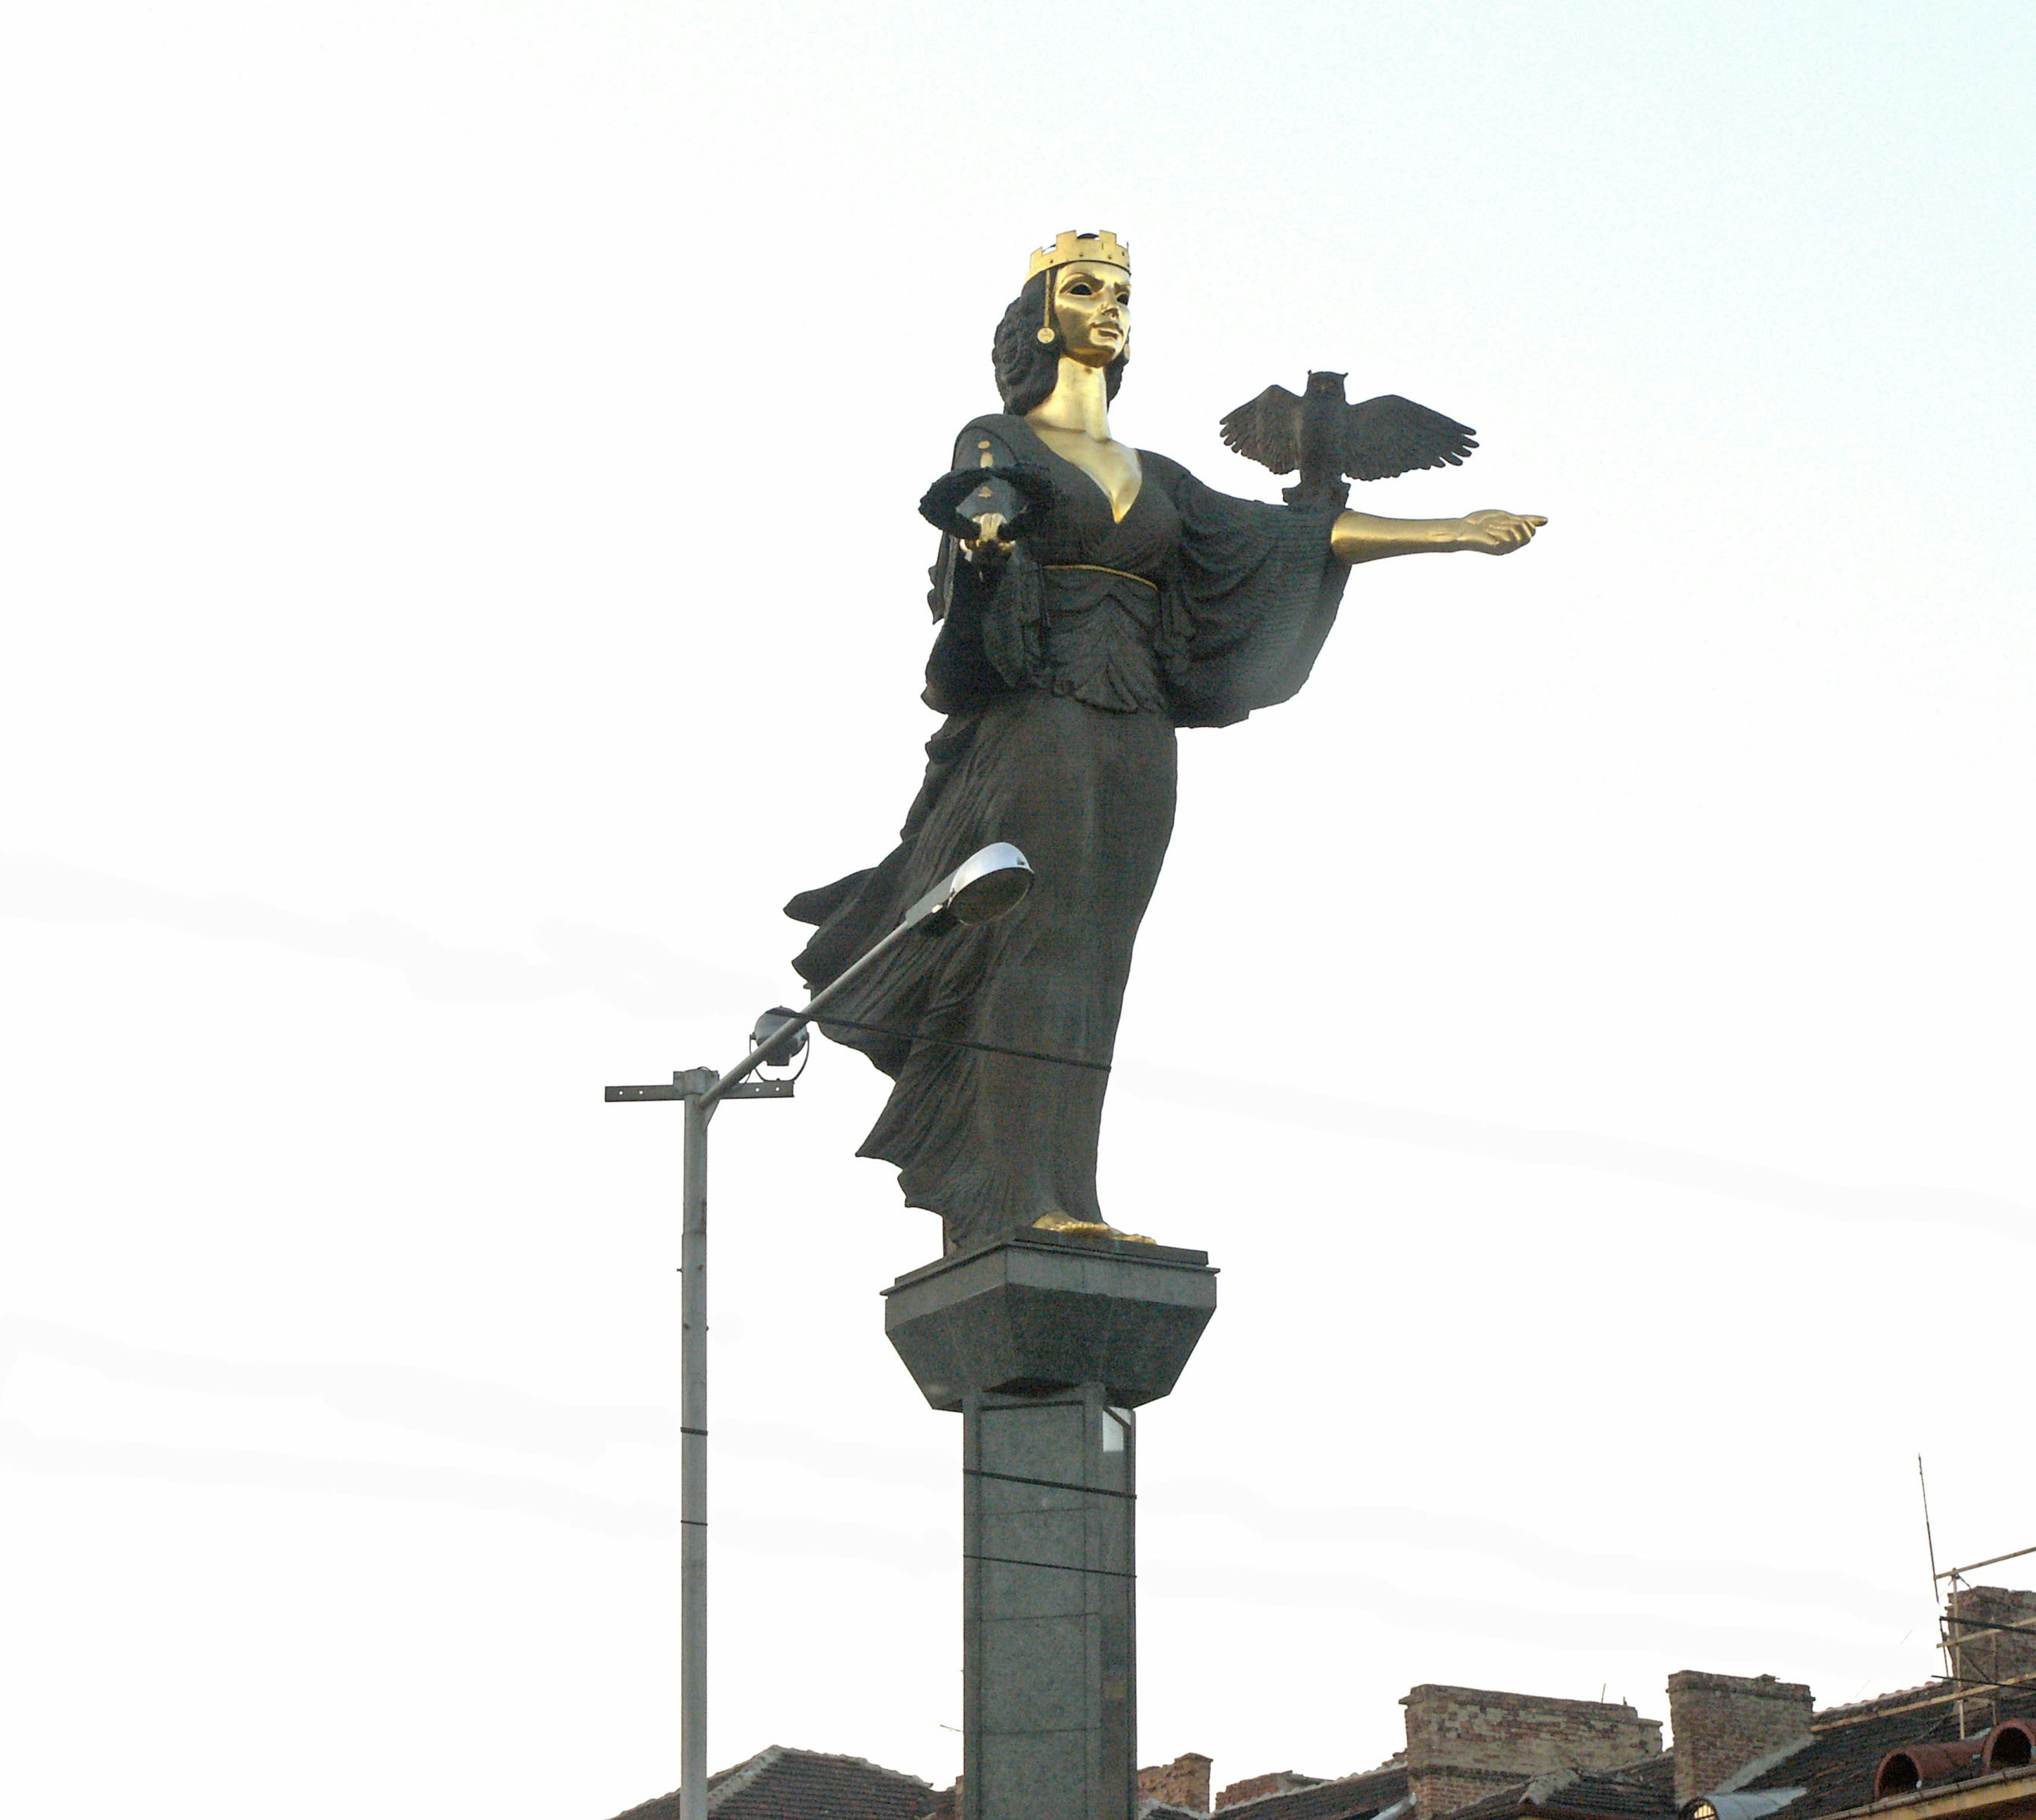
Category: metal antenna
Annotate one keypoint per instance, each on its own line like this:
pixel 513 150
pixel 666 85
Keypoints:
pixel 1929 1541
pixel 1954 1665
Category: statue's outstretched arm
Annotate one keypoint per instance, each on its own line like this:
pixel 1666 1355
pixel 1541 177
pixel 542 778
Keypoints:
pixel 1361 537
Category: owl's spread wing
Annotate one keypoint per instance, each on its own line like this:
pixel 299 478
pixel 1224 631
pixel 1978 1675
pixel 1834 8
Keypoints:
pixel 1393 435
pixel 1268 430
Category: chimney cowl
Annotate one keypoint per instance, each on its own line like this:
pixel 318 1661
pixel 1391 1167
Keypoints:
pixel 2010 1745
pixel 1909 1767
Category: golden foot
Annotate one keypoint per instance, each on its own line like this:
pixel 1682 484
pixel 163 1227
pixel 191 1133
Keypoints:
pixel 1088 1228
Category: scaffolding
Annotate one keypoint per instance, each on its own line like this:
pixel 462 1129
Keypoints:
pixel 1959 1635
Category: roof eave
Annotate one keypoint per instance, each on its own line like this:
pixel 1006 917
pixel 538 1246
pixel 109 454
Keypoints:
pixel 2005 1793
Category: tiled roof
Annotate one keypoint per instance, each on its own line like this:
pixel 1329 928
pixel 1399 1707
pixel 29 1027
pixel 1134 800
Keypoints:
pixel 1641 1791
pixel 1837 1767
pixel 1928 1690
pixel 1647 1787
pixel 1347 1798
pixel 779 1784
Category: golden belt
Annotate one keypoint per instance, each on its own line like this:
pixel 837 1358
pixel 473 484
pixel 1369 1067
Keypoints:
pixel 1098 569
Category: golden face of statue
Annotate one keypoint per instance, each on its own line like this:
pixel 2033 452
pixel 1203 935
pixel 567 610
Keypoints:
pixel 1092 309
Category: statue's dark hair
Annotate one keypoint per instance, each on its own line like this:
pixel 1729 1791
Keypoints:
pixel 1027 367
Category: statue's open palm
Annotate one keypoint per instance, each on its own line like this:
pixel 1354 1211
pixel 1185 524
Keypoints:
pixel 1497 533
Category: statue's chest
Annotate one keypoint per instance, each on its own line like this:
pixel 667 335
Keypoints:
pixel 1112 468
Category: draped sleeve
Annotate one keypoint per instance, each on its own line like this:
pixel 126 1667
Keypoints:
pixel 989 638
pixel 1246 603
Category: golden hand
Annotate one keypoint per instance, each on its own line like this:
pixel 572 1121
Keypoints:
pixel 1497 533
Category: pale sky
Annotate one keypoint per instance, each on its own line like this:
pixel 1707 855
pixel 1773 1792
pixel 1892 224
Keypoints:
pixel 461 576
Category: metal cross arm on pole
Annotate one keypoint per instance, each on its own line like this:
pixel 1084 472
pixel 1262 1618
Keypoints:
pixel 745 1089
pixel 982 888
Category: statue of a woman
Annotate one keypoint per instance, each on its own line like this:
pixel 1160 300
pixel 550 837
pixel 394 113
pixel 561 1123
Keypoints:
pixel 1136 602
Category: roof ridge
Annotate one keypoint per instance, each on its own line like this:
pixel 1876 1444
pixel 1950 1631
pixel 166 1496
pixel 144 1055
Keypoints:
pixel 726 1785
pixel 1635 1766
pixel 1313 1782
pixel 1923 1693
pixel 734 1781
pixel 1359 1775
pixel 844 1757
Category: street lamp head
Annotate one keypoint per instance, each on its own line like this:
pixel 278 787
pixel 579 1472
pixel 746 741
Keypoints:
pixel 981 889
pixel 988 883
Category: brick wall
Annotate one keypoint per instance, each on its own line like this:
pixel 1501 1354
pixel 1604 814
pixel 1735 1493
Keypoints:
pixel 2006 1656
pixel 1183 1783
pixel 1464 1743
pixel 1723 1722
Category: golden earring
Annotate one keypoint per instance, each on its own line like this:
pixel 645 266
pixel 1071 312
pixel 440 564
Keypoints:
pixel 1046 337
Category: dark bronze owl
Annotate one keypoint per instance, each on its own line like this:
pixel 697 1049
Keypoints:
pixel 1327 439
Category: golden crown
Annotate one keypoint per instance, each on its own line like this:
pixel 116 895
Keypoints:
pixel 1105 248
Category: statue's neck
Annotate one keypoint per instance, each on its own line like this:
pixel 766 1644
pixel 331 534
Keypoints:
pixel 1079 401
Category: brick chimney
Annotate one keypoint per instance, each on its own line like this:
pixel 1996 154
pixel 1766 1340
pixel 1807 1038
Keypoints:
pixel 2003 1655
pixel 1183 1783
pixel 1723 1722
pixel 1464 1743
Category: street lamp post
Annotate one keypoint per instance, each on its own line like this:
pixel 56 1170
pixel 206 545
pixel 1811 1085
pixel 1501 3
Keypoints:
pixel 982 888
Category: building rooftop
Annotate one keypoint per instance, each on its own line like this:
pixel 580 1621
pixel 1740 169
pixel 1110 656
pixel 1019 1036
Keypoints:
pixel 1362 1796
pixel 1833 1766
pixel 1646 1788
pixel 1753 1748
pixel 782 1783
pixel 1836 1768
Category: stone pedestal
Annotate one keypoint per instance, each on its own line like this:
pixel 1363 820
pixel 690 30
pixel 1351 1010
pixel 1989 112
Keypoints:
pixel 1046 1344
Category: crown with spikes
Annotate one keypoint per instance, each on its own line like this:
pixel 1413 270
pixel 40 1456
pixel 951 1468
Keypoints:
pixel 1105 248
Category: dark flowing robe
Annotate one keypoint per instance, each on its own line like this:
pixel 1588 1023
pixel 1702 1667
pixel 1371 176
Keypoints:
pixel 1063 671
